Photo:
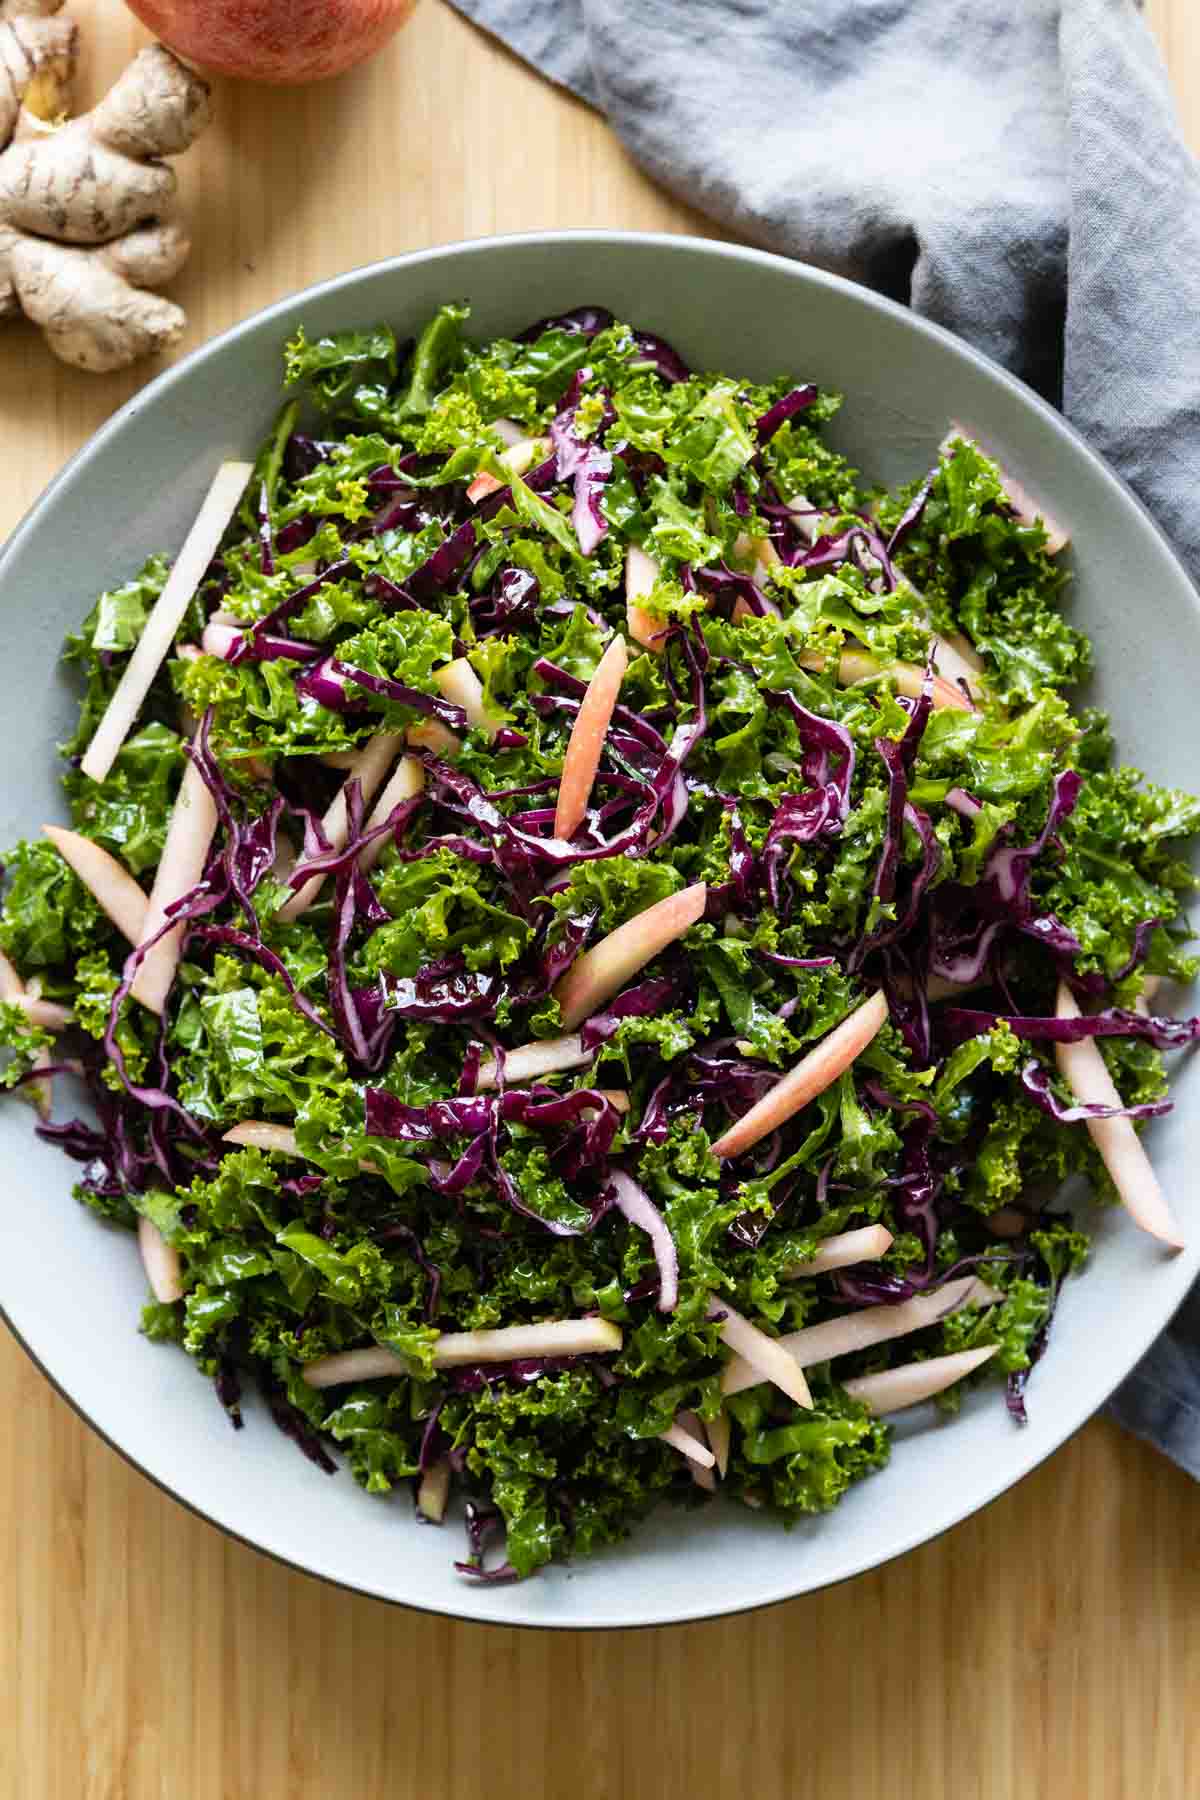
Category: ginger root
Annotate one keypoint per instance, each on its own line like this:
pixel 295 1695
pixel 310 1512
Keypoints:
pixel 87 219
pixel 37 61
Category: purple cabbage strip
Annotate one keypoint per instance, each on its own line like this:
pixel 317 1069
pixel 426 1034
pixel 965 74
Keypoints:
pixel 365 1024
pixel 401 694
pixel 435 575
pixel 326 859
pixel 1037 1081
pixel 303 454
pixel 854 545
pixel 1018 1381
pixel 253 947
pixel 265 646
pixel 1092 982
pixel 510 606
pixel 960 1023
pixel 740 892
pixel 483 1524
pixel 1001 898
pixel 293 1424
pixel 913 513
pixel 820 739
pixel 586 321
pixel 250 846
pixel 430 1450
pixel 796 962
pixel 726 580
pixel 1008 870
pixel 796 401
pixel 472 1378
pixel 665 361
pixel 899 756
pixel 648 999
pixel 904 986
pixel 635 724
pixel 632 1200
pixel 203 898
pixel 594 1119
pixel 319 683
pixel 295 603
pixel 585 463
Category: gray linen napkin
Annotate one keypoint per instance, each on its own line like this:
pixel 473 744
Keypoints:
pixel 1016 173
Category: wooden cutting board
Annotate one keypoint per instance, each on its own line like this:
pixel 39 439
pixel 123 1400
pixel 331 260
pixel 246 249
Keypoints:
pixel 1049 1646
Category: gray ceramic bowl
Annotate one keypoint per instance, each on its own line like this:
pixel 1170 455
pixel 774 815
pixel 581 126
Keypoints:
pixel 72 1288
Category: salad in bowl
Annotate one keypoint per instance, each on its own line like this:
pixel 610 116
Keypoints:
pixel 591 937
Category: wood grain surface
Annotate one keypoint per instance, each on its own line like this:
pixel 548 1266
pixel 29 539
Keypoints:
pixel 1049 1646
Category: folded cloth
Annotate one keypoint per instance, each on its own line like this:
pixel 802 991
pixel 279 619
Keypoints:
pixel 1016 173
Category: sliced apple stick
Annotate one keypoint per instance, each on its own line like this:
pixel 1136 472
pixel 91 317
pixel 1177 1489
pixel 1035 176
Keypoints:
pixel 953 665
pixel 853 665
pixel 521 454
pixel 369 769
pixel 843 1250
pixel 46 1013
pixel 702 1474
pixel 263 1134
pixel 596 976
pixel 433 1491
pixel 641 573
pixel 758 554
pixel 893 1389
pixel 431 734
pixel 11 986
pixel 372 1364
pixel 219 637
pixel 910 681
pixel 687 1443
pixel 859 665
pixel 719 1432
pixel 982 1293
pixel 259 1134
pixel 586 745
pixel 189 834
pixel 810 1077
pixel 160 1261
pixel 407 780
pixel 766 1355
pixel 454 1349
pixel 555 1337
pixel 459 683
pixel 1022 502
pixel 549 1057
pixel 508 431
pixel 113 886
pixel 1086 1074
pixel 166 616
pixel 857 1331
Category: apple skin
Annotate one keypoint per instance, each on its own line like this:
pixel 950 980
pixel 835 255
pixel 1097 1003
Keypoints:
pixel 285 41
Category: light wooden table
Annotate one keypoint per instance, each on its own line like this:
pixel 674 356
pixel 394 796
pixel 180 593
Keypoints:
pixel 1051 1645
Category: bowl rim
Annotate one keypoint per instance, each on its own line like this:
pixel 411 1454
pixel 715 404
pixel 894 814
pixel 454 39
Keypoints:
pixel 286 308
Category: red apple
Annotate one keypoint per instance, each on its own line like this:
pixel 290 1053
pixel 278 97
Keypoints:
pixel 274 40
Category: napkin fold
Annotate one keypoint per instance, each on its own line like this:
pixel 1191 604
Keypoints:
pixel 1016 173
